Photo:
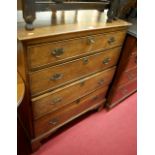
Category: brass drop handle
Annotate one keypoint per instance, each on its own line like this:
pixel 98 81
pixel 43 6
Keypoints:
pixel 95 98
pixel 56 77
pixel 77 101
pixel 85 60
pixel 100 82
pixel 56 100
pixel 111 40
pixel 57 52
pixel 90 41
pixel 82 83
pixel 53 121
pixel 106 61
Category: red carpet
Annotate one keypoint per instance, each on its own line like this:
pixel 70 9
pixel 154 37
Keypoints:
pixel 102 133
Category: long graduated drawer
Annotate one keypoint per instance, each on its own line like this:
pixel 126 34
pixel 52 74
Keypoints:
pixel 56 52
pixel 54 77
pixel 56 99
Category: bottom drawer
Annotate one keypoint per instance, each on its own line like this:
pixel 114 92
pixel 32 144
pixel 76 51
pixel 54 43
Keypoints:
pixel 123 91
pixel 59 117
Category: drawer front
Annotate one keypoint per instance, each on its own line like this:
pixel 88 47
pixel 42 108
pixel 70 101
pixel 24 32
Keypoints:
pixel 128 76
pixel 56 52
pixel 57 99
pixel 53 77
pixel 132 62
pixel 123 91
pixel 57 118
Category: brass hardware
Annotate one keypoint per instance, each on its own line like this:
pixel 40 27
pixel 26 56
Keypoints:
pixel 106 61
pixel 56 100
pixel 101 82
pixel 95 98
pixel 90 41
pixel 111 40
pixel 56 77
pixel 85 60
pixel 53 121
pixel 78 101
pixel 82 83
pixel 57 52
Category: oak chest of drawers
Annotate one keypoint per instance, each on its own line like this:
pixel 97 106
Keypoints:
pixel 67 69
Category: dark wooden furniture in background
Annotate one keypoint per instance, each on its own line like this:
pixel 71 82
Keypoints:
pixel 67 68
pixel 116 8
pixel 125 79
pixel 30 7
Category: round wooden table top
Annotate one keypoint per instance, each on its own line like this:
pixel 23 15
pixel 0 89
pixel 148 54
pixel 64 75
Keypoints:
pixel 20 89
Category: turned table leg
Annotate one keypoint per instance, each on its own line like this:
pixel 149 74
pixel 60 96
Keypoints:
pixel 28 7
pixel 113 10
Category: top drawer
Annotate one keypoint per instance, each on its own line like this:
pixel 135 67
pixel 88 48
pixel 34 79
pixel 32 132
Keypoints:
pixel 56 52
